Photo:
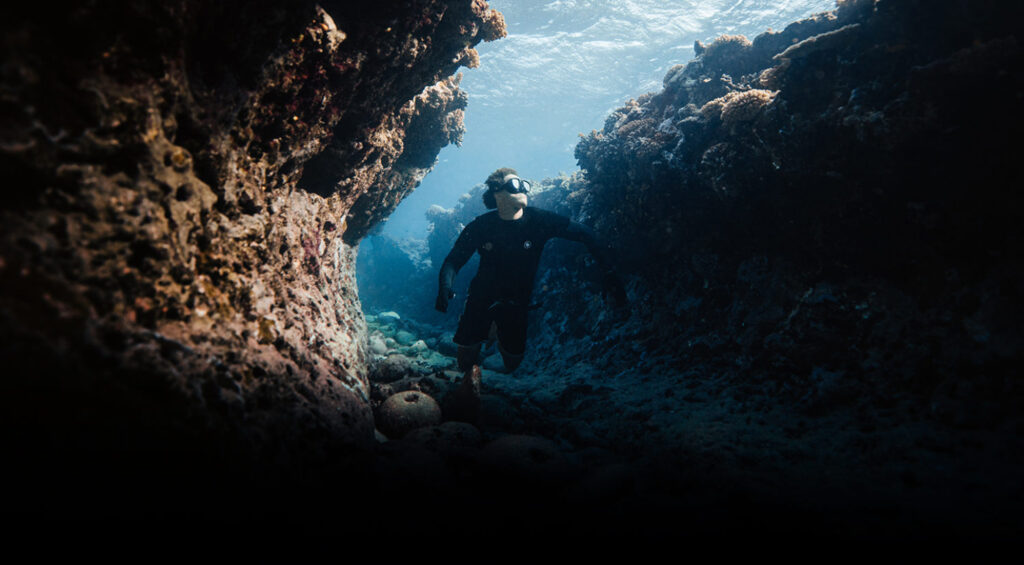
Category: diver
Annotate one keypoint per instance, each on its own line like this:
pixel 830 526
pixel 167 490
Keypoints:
pixel 510 241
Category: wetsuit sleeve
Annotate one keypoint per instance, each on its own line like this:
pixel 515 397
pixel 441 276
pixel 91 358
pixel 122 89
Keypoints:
pixel 612 285
pixel 463 249
pixel 575 231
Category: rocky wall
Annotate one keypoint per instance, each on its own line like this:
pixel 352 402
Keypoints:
pixel 823 214
pixel 185 187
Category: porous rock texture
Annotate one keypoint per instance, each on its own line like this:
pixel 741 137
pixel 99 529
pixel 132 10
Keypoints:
pixel 185 185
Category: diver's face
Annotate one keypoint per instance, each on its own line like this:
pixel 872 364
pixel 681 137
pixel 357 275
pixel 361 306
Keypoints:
pixel 506 200
pixel 518 199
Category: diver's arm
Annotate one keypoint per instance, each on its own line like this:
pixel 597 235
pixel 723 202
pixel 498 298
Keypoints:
pixel 575 231
pixel 460 253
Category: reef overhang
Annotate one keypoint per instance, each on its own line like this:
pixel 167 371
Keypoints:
pixel 185 186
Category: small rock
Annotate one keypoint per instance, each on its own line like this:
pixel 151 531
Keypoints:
pixel 405 338
pixel 396 366
pixel 437 362
pixel 419 346
pixel 377 345
pixel 446 345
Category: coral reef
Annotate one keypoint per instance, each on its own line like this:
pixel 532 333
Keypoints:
pixel 821 227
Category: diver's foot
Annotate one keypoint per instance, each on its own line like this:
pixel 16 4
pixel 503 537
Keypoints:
pixel 466 407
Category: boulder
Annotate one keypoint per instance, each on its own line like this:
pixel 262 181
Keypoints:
pixel 405 338
pixel 406 411
pixel 438 362
pixel 446 345
pixel 392 368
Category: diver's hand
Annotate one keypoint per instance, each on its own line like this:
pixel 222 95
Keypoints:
pixel 612 288
pixel 441 304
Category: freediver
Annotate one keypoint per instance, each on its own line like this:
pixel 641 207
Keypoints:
pixel 510 241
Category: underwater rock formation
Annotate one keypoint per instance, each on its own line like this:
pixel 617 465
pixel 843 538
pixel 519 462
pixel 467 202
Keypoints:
pixel 830 198
pixel 185 184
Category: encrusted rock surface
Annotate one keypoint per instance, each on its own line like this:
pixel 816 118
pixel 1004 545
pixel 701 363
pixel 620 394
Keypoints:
pixel 185 184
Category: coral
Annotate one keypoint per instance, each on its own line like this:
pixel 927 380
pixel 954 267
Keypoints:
pixel 770 78
pixel 830 165
pixel 406 411
pixel 738 107
pixel 469 58
pixel 493 23
pixel 723 49
pixel 430 121
pixel 641 127
pixel 712 109
pixel 829 40
pixel 745 106
pixel 673 76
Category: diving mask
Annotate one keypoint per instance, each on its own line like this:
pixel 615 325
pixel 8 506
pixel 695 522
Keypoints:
pixel 515 185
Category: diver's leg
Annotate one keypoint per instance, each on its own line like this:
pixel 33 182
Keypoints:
pixel 471 333
pixel 469 337
pixel 465 405
pixel 512 336
pixel 467 356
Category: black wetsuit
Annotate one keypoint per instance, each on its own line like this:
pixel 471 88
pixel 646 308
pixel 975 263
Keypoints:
pixel 509 251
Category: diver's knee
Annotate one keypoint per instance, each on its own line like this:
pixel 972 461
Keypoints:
pixel 466 357
pixel 511 360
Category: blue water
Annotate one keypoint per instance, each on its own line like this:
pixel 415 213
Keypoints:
pixel 565 65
